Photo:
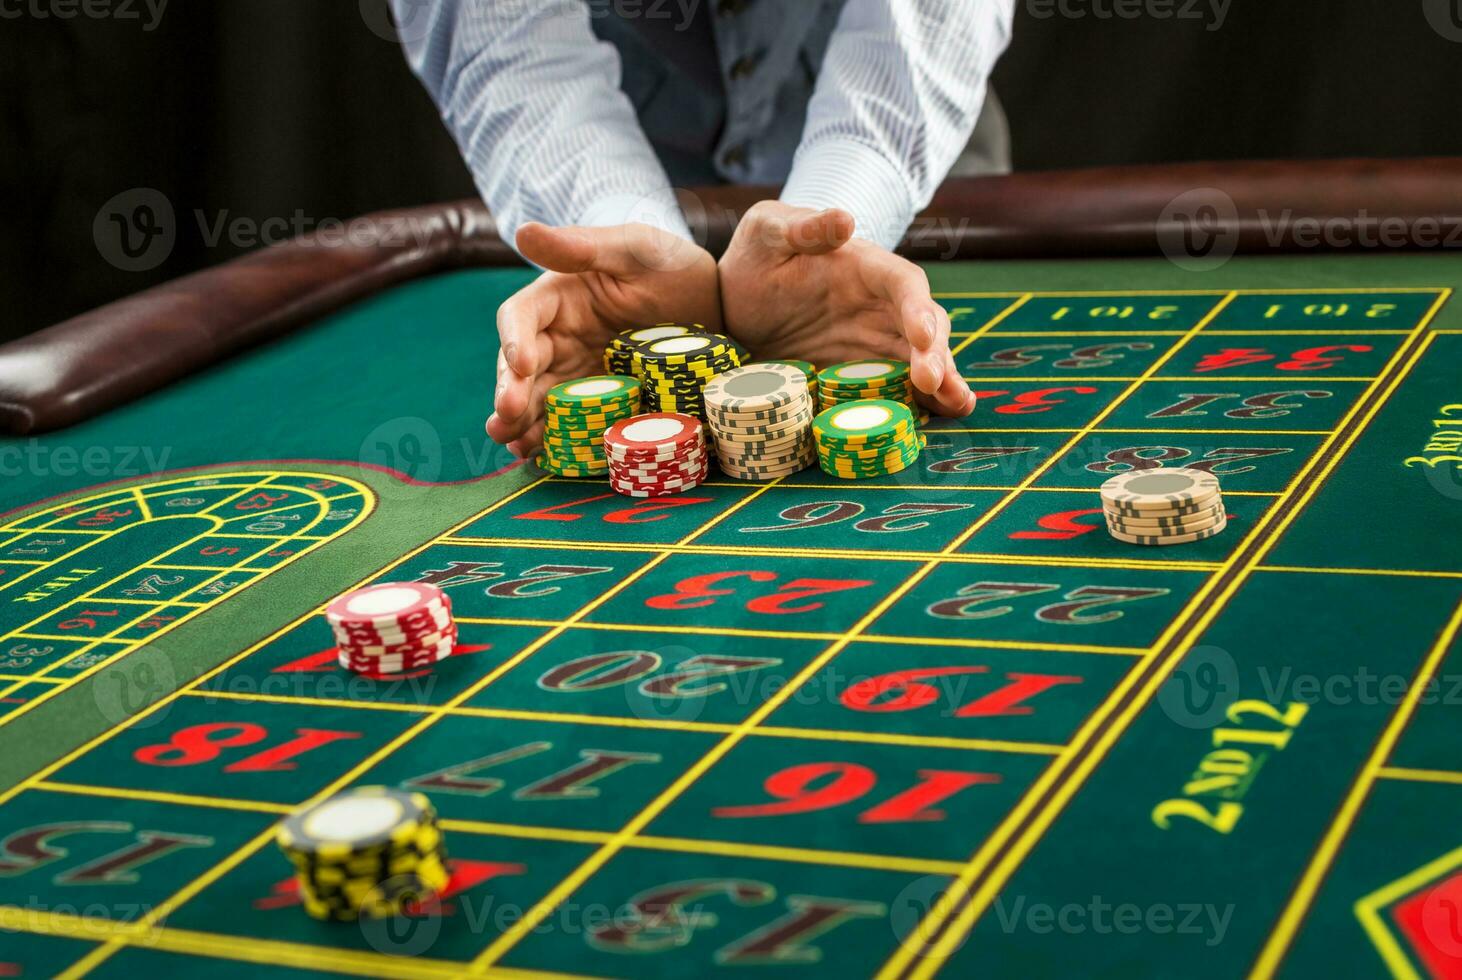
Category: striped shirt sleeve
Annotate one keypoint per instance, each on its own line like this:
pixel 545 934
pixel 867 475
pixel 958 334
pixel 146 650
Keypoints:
pixel 532 98
pixel 897 100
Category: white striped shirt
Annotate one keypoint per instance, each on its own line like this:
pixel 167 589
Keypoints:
pixel 533 99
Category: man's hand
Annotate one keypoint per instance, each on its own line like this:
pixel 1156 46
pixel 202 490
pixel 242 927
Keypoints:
pixel 796 284
pixel 599 281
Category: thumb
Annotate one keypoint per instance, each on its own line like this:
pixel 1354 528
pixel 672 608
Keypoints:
pixel 565 250
pixel 820 232
pixel 620 251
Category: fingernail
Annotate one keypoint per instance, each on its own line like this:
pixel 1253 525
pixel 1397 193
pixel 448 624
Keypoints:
pixel 511 353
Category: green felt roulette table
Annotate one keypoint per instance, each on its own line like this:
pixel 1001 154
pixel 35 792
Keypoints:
pixel 938 722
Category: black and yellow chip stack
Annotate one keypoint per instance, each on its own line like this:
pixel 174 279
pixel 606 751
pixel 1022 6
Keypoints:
pixel 368 852
pixel 674 370
pixel 856 380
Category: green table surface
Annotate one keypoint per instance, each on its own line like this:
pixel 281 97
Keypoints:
pixel 938 722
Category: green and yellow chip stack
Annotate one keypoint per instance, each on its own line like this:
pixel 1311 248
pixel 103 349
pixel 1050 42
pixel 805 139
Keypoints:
pixel 368 852
pixel 674 370
pixel 862 439
pixel 576 414
pixel 857 380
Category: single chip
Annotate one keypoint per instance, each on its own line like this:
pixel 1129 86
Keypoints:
pixel 389 605
pixel 365 817
pixel 871 373
pixel 757 388
pixel 595 392
pixel 654 431
pixel 863 421
pixel 1160 489
pixel 1166 539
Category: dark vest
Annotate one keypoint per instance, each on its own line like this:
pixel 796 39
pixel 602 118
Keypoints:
pixel 672 75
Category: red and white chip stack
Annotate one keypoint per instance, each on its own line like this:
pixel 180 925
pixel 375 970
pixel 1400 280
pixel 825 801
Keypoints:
pixel 657 454
pixel 392 627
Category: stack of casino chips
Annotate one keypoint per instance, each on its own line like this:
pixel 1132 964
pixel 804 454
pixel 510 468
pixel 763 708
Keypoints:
pixel 392 627
pixel 674 370
pixel 656 455
pixel 1163 506
pixel 761 419
pixel 369 852
pixel 858 380
pixel 873 437
pixel 576 415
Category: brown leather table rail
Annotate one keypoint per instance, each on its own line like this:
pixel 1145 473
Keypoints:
pixel 122 351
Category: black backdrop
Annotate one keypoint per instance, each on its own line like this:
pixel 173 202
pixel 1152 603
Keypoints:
pixel 300 111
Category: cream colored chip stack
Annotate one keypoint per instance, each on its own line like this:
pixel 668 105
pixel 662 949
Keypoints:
pixel 1173 505
pixel 760 417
